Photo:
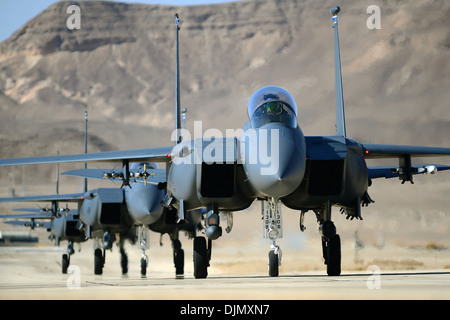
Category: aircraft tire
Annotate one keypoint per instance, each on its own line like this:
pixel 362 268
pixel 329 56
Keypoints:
pixel 334 256
pixel 65 263
pixel 200 258
pixel 273 264
pixel 143 266
pixel 178 260
pixel 324 250
pixel 123 261
pixel 98 261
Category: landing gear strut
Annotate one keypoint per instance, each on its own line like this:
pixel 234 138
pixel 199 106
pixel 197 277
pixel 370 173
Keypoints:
pixel 271 212
pixel 143 245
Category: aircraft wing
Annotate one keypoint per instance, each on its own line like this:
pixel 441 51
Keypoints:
pixel 44 210
pixel 45 225
pixel 162 154
pixel 373 151
pixel 42 215
pixel 395 172
pixel 154 177
pixel 71 197
pixel 31 217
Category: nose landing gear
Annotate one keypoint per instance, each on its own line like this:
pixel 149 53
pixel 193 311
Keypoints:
pixel 271 212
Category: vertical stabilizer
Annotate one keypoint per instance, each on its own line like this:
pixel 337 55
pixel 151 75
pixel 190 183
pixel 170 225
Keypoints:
pixel 340 114
pixel 57 176
pixel 85 187
pixel 177 82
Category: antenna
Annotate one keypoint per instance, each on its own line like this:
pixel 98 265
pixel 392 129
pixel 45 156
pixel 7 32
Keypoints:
pixel 85 147
pixel 57 176
pixel 183 118
pixel 340 114
pixel 177 81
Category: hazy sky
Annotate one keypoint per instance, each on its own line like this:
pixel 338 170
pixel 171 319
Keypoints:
pixel 15 13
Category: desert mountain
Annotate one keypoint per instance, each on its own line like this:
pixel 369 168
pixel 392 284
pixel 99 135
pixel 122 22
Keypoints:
pixel 120 67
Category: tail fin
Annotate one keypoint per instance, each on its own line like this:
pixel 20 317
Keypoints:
pixel 57 176
pixel 85 186
pixel 177 83
pixel 340 114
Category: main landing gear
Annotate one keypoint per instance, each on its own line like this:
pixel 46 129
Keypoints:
pixel 331 248
pixel 202 256
pixel 178 252
pixel 331 242
pixel 100 252
pixel 65 262
pixel 202 249
pixel 203 246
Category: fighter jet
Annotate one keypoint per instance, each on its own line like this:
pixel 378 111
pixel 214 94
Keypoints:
pixel 62 225
pixel 104 213
pixel 273 162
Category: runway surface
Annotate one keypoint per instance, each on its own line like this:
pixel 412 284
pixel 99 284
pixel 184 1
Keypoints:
pixel 34 273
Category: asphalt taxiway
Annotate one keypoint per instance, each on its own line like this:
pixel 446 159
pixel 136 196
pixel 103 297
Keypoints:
pixel 32 272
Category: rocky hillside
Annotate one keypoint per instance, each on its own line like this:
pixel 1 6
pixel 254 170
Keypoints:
pixel 120 67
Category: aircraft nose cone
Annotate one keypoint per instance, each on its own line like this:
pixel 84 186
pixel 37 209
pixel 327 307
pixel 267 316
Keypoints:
pixel 143 203
pixel 284 180
pixel 282 172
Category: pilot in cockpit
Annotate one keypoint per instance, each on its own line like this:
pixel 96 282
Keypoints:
pixel 272 104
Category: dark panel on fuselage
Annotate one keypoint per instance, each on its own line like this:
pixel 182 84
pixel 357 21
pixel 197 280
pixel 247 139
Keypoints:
pixel 72 229
pixel 111 213
pixel 217 180
pixel 325 177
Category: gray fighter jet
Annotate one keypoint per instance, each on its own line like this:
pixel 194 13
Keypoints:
pixel 104 213
pixel 273 162
pixel 62 225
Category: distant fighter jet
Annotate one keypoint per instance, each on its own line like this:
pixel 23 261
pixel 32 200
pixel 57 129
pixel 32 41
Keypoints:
pixel 104 212
pixel 62 224
pixel 272 162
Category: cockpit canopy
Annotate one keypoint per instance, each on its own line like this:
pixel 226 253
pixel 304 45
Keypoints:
pixel 272 104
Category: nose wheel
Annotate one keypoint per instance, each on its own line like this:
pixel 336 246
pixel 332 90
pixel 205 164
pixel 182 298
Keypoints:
pixel 144 244
pixel 274 261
